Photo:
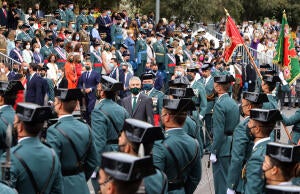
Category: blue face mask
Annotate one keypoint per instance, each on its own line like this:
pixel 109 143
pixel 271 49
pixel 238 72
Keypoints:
pixel 111 65
pixel 147 87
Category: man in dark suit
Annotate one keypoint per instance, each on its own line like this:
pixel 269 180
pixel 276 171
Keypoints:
pixel 34 91
pixel 104 27
pixel 125 76
pixel 249 77
pixel 9 74
pixel 88 82
pixel 3 14
pixel 139 106
pixel 38 12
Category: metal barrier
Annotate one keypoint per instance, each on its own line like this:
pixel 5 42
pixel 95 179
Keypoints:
pixel 211 28
pixel 6 59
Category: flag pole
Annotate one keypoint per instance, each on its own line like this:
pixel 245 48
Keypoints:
pixel 248 52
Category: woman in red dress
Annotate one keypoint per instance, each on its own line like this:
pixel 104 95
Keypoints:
pixel 21 76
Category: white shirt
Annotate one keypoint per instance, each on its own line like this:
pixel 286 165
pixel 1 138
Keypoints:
pixel 52 71
pixel 3 106
pixel 23 138
pixel 260 141
pixel 67 115
pixel 27 55
pixel 207 79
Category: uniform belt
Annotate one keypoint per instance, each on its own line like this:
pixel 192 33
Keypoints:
pixel 97 64
pixel 63 21
pixel 159 53
pixel 1 49
pixel 71 172
pixel 171 65
pixel 175 185
pixel 113 141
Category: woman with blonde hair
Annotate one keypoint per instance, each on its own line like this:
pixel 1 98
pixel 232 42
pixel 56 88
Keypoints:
pixel 10 41
pixel 70 72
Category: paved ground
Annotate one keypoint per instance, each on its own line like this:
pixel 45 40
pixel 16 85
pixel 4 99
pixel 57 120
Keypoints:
pixel 206 185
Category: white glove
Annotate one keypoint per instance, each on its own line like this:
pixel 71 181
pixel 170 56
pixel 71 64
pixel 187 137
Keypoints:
pixel 200 117
pixel 229 191
pixel 213 158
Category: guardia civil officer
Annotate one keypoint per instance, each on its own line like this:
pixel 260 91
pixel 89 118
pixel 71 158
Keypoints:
pixel 280 163
pixel 225 118
pixel 122 173
pixel 136 135
pixel 261 124
pixel 178 155
pixel 73 142
pixel 107 118
pixel 156 95
pixel 242 142
pixel 8 91
pixel 35 168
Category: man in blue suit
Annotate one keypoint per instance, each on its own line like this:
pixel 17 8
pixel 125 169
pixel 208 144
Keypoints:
pixel 88 82
pixel 34 91
pixel 125 76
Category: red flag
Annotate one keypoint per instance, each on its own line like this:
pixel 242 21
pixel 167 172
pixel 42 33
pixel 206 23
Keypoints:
pixel 232 38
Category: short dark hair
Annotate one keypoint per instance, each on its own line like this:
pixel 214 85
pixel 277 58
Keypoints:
pixel 178 117
pixel 34 66
pixel 126 187
pixel 69 106
pixel 33 128
pixel 115 60
pixel 225 86
pixel 9 99
pixel 109 95
pixel 271 85
pixel 287 168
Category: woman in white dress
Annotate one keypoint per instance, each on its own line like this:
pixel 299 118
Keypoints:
pixel 106 57
pixel 27 53
pixel 53 69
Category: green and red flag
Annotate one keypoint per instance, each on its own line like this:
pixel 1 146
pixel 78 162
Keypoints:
pixel 286 56
pixel 233 38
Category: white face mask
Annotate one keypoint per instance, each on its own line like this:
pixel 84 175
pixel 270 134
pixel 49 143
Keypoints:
pixel 96 27
pixel 28 47
pixel 37 50
pixel 30 11
pixel 80 49
pixel 77 38
pixel 2 70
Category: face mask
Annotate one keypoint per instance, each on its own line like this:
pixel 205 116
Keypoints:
pixel 71 60
pixel 135 91
pixel 71 7
pixel 124 70
pixel 37 50
pixel 107 49
pixel 196 45
pixel 83 12
pixel 147 69
pixel 58 17
pixel 49 43
pixel 4 6
pixel 77 37
pixel 241 110
pixel 190 78
pixel 178 73
pixel 86 28
pixel 80 49
pixel 73 26
pixel 118 23
pixel 201 58
pixel 111 65
pixel 96 27
pixel 2 70
pixel 42 74
pixel 109 12
pixel 30 11
pixel 27 31
pixel 154 71
pixel 38 35
pixel 25 67
pixel 31 24
pixel 59 75
pixel 15 69
pixel 87 67
pixel 147 87
pixel 27 46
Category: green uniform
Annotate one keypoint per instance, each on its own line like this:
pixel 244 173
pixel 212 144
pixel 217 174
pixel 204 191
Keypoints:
pixel 176 152
pixel 295 121
pixel 141 55
pixel 209 90
pixel 170 63
pixel 74 143
pixel 58 23
pixel 30 156
pixel 7 114
pixel 6 190
pixel 107 121
pixel 240 153
pixel 157 183
pixel 187 55
pixel 81 19
pixel 272 104
pixel 254 183
pixel 24 37
pixel 63 17
pixel 46 51
pixel 97 61
pixel 31 33
pixel 226 117
pixel 157 99
pixel 116 35
pixel 160 52
pixel 258 88
pixel 61 54
pixel 91 21
pixel 21 14
pixel 70 16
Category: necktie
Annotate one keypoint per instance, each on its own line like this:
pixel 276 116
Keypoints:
pixel 5 14
pixel 88 75
pixel 134 103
